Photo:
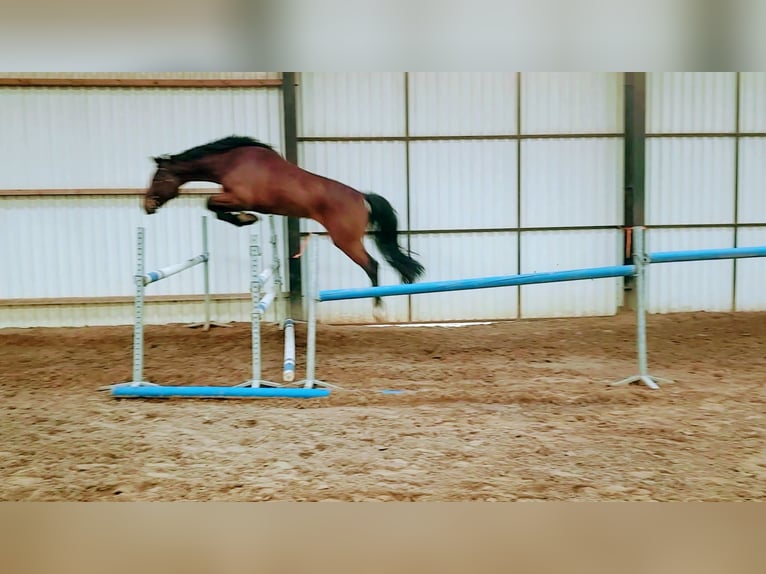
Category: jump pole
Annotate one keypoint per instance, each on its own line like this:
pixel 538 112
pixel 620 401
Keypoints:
pixel 217 392
pixel 288 363
pixel 477 283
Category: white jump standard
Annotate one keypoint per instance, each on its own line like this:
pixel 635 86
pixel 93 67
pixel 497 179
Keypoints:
pixel 261 299
pixel 142 279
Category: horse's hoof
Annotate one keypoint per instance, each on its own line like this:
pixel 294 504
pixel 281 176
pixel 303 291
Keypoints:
pixel 379 313
pixel 246 218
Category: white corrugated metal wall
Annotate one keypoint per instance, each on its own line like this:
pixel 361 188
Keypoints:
pixel 82 245
pixel 706 138
pixel 491 173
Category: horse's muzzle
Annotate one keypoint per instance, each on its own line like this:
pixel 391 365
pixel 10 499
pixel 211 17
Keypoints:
pixel 151 205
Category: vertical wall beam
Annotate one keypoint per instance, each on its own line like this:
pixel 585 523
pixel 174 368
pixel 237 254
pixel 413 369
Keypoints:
pixel 293 271
pixel 518 191
pixel 635 148
pixel 737 95
pixel 408 176
pixel 634 164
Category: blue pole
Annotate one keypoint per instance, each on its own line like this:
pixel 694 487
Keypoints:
pixel 218 392
pixel 707 254
pixel 478 283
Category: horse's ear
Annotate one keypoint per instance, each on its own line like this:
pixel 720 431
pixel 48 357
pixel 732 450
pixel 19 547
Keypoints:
pixel 161 159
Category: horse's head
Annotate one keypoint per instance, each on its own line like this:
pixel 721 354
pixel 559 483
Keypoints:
pixel 164 187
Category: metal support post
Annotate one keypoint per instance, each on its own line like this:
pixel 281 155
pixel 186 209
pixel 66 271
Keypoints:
pixel 138 310
pixel 257 281
pixel 138 315
pixel 279 310
pixel 313 298
pixel 207 324
pixel 641 261
pixel 311 332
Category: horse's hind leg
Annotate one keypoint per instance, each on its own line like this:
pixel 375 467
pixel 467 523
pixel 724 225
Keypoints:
pixel 359 255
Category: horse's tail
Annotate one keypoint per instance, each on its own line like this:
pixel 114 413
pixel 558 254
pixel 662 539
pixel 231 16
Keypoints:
pixel 385 225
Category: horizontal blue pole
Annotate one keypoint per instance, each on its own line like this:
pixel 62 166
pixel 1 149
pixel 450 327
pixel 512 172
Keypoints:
pixel 218 392
pixel 707 254
pixel 478 283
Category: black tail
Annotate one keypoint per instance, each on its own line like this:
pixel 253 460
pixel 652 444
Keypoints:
pixel 384 223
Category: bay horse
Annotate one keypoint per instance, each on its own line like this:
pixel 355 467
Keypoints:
pixel 255 178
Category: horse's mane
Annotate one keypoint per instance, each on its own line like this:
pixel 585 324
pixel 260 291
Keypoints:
pixel 218 146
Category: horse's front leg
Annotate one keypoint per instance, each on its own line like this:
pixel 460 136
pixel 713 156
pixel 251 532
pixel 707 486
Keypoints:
pixel 228 208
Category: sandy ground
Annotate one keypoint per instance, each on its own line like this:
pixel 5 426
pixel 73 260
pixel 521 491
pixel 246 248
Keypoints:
pixel 509 411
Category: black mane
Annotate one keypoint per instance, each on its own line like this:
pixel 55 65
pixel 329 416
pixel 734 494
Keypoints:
pixel 218 146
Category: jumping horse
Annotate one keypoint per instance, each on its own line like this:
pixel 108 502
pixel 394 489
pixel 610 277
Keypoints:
pixel 255 178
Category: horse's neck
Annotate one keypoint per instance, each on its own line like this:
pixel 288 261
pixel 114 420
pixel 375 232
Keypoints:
pixel 197 171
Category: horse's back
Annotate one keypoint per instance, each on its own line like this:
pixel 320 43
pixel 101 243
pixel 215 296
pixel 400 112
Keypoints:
pixel 283 188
